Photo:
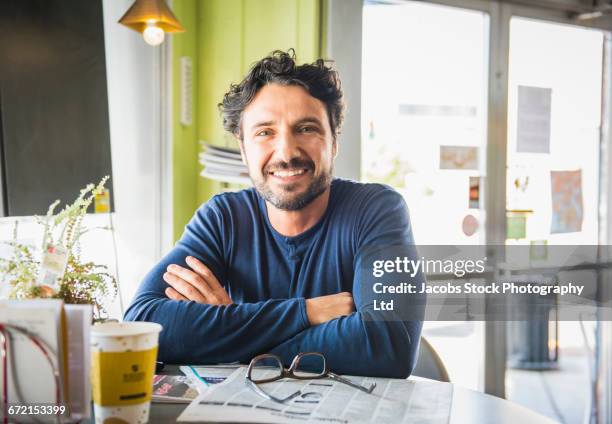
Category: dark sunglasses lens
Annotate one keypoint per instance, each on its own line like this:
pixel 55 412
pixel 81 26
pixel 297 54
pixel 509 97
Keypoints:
pixel 266 368
pixel 310 365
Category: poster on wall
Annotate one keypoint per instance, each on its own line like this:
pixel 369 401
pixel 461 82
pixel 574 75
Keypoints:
pixel 567 210
pixel 533 119
pixel 516 224
pixel 474 202
pixel 458 157
pixel 469 226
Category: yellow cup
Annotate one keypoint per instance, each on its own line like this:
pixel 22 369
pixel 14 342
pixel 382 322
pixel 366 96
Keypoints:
pixel 122 369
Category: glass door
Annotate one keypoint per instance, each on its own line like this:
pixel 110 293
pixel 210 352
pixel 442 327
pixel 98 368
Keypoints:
pixel 552 196
pixel 424 114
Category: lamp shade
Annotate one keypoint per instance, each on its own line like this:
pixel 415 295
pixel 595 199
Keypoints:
pixel 146 12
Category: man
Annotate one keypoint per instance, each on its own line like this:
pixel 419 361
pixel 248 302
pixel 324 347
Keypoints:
pixel 278 268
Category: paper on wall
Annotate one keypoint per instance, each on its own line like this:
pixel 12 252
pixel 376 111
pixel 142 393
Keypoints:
pixel 469 225
pixel 533 119
pixel 474 193
pixel 567 212
pixel 516 225
pixel 458 157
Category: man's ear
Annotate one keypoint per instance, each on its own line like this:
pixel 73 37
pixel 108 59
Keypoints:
pixel 335 149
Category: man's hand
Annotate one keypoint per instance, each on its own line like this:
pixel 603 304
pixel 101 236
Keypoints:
pixel 325 308
pixel 198 284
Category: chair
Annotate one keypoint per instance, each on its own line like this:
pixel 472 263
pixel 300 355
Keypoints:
pixel 428 364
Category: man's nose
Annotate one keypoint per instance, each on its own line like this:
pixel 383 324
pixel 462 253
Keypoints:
pixel 287 146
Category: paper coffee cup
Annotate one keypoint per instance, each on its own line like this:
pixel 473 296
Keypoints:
pixel 122 369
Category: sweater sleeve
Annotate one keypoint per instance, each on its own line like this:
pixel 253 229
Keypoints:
pixel 372 342
pixel 196 333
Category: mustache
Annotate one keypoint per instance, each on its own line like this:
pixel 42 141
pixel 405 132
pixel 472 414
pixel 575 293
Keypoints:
pixel 295 163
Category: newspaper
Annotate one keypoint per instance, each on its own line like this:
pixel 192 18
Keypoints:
pixel 323 401
pixel 174 389
pixel 207 375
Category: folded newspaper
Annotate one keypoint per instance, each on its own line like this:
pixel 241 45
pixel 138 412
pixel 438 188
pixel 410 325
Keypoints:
pixel 323 401
pixel 185 388
pixel 174 389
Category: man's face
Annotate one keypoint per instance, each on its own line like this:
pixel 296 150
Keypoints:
pixel 287 145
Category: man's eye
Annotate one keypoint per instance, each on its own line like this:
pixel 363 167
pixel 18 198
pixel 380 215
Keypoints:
pixel 263 133
pixel 307 129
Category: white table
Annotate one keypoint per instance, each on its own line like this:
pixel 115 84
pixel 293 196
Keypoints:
pixel 470 406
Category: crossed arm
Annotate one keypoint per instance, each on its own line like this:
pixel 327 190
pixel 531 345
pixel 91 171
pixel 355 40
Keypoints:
pixel 199 284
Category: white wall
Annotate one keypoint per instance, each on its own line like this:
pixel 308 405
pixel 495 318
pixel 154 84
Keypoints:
pixel 134 87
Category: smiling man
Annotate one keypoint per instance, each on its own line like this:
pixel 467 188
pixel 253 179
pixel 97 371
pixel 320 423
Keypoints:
pixel 280 267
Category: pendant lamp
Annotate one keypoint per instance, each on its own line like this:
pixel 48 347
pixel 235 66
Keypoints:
pixel 152 18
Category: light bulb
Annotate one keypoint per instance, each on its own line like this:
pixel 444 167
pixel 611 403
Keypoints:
pixel 153 35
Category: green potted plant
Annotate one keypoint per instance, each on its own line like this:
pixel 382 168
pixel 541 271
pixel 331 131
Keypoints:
pixel 81 282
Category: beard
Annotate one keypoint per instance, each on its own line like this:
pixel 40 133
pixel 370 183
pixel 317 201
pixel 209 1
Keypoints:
pixel 290 199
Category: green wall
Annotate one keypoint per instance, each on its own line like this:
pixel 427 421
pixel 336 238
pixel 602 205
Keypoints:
pixel 224 38
pixel 184 138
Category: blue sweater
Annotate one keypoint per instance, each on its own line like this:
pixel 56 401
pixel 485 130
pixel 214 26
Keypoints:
pixel 269 276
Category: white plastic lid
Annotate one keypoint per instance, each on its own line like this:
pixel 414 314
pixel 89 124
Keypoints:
pixel 124 329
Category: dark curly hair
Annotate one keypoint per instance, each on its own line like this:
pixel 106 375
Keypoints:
pixel 319 80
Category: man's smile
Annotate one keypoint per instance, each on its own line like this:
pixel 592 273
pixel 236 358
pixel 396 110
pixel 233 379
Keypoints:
pixel 289 175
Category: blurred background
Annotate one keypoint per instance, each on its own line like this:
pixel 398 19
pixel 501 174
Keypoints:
pixel 491 118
